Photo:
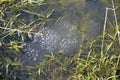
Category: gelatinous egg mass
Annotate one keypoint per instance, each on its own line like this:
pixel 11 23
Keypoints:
pixel 63 36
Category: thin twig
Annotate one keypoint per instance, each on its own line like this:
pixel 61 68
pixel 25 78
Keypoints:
pixel 113 6
pixel 37 14
pixel 20 31
pixel 104 28
pixel 116 22
pixel 105 22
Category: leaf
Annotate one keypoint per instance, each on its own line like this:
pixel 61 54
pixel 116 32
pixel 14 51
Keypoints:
pixel 16 64
pixel 109 46
pixel 119 36
pixel 50 13
pixel 30 67
pixel 51 56
pixel 111 36
pixel 14 45
pixel 0 44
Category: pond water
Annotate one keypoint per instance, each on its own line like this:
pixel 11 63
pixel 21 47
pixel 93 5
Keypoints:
pixel 64 33
pixel 62 38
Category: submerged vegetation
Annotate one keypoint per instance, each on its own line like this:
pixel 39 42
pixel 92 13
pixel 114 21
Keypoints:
pixel 97 59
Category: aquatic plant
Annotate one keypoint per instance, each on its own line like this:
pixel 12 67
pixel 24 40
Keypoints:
pixel 96 59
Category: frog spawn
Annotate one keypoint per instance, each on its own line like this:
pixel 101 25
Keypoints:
pixel 64 37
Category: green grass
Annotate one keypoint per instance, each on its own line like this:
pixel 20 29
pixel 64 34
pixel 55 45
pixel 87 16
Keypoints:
pixel 96 60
